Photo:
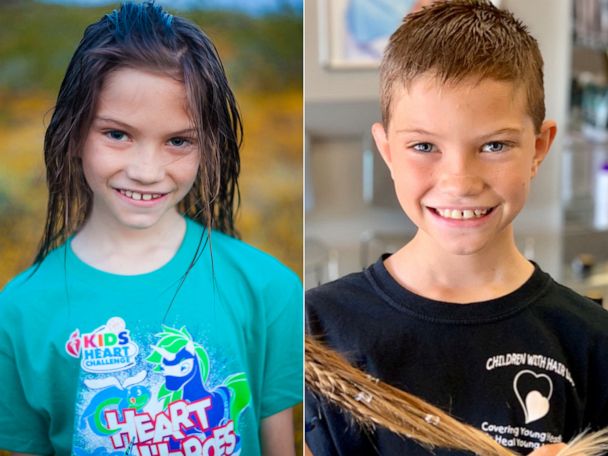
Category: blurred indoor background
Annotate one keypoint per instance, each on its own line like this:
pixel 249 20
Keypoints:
pixel 352 215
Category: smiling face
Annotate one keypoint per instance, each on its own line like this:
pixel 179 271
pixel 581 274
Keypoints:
pixel 462 157
pixel 140 156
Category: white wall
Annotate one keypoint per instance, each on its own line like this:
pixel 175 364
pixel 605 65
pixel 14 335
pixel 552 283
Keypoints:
pixel 550 21
pixel 322 84
pixel 337 102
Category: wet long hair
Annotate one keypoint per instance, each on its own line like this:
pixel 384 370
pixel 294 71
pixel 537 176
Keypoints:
pixel 143 36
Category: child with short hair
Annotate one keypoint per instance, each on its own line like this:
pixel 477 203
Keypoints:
pixel 458 316
pixel 144 326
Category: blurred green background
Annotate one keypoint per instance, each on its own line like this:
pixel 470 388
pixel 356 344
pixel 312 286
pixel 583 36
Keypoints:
pixel 263 59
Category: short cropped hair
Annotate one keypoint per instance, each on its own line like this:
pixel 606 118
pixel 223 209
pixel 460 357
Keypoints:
pixel 459 39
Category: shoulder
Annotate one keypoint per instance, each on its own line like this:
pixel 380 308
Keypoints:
pixel 344 303
pixel 355 285
pixel 572 305
pixel 246 255
pixel 581 326
pixel 241 270
pixel 233 257
pixel 237 257
pixel 572 315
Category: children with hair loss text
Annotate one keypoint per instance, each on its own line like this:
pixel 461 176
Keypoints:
pixel 458 316
pixel 145 327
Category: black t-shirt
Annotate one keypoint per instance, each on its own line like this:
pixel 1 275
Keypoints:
pixel 528 368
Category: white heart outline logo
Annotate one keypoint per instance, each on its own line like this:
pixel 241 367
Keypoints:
pixel 535 405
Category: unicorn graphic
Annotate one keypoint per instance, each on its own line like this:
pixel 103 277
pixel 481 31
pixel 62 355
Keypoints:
pixel 185 367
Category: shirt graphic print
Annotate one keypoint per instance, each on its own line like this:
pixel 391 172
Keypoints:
pixel 153 395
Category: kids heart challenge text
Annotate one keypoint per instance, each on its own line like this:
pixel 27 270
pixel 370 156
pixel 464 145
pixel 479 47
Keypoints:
pixel 108 348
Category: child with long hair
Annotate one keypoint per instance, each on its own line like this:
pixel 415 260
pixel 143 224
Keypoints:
pixel 144 326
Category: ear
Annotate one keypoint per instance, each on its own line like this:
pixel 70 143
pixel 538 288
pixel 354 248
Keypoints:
pixel 381 140
pixel 542 143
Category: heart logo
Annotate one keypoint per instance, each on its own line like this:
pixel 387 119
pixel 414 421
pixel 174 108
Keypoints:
pixel 72 346
pixel 533 392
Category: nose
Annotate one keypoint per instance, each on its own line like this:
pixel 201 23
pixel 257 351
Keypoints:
pixel 145 165
pixel 460 176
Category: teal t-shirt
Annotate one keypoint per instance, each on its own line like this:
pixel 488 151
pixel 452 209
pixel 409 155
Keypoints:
pixel 94 363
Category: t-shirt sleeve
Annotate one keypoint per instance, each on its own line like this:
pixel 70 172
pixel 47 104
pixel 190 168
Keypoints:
pixel 317 433
pixel 597 409
pixel 22 428
pixel 283 367
pixel 329 431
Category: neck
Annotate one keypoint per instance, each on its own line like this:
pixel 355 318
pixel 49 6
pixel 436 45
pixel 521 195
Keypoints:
pixel 489 273
pixel 129 251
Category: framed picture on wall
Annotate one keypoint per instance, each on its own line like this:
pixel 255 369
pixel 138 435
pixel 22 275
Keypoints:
pixel 354 33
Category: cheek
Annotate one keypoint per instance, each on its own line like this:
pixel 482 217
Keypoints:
pixel 412 181
pixel 186 171
pixel 412 176
pixel 98 168
pixel 92 168
pixel 97 163
pixel 516 187
pixel 403 166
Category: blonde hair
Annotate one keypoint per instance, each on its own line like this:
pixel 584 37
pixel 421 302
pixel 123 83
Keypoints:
pixel 374 403
pixel 461 39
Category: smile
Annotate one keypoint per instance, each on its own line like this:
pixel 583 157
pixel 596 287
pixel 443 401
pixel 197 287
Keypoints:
pixel 462 214
pixel 140 196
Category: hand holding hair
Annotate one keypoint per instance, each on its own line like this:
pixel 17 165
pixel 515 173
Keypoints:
pixel 374 403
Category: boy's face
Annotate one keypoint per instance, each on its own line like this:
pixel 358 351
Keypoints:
pixel 462 157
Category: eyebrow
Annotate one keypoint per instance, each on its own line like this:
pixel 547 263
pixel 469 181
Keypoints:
pixel 503 131
pixel 424 132
pixel 420 131
pixel 126 126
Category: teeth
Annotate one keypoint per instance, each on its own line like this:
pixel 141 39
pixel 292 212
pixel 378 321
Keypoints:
pixel 140 196
pixel 465 214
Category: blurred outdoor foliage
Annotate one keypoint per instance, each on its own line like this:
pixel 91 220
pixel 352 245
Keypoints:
pixel 263 60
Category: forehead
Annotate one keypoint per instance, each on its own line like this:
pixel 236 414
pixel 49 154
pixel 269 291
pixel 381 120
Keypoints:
pixel 126 91
pixel 436 102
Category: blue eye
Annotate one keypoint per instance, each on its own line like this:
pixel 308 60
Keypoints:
pixel 179 142
pixel 494 146
pixel 116 135
pixel 423 147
